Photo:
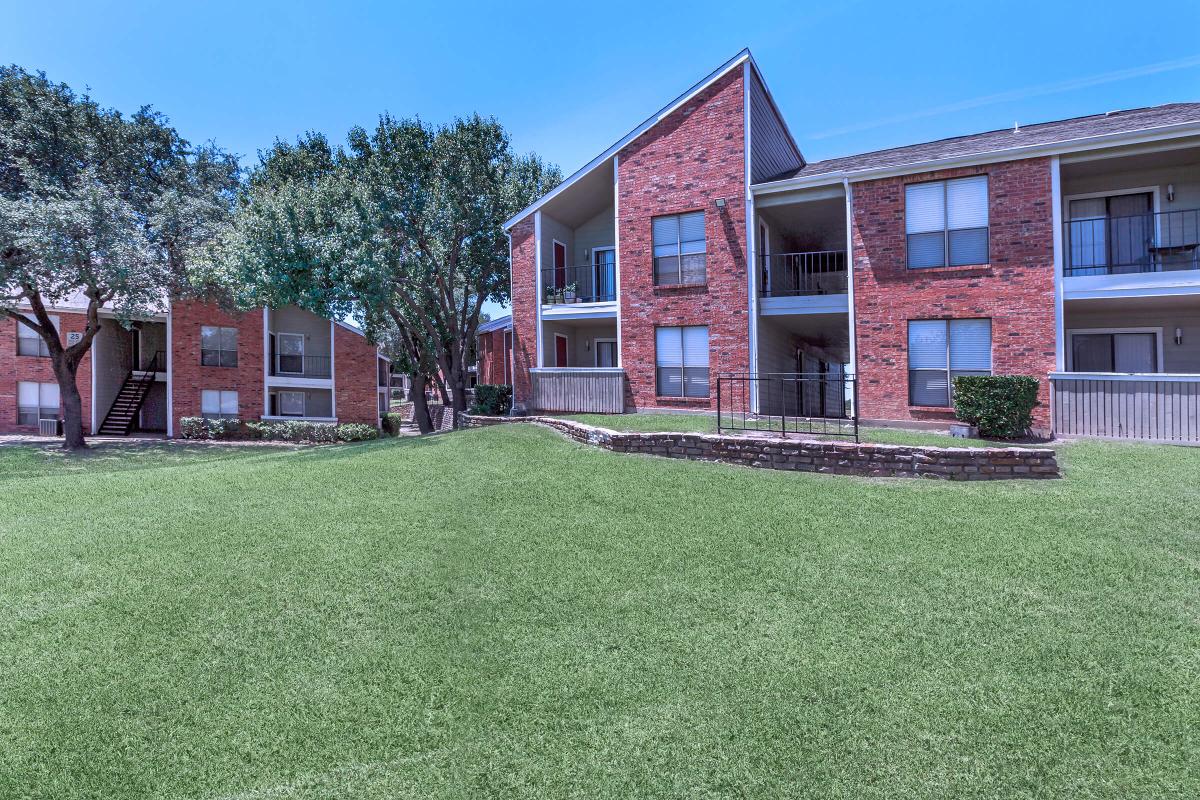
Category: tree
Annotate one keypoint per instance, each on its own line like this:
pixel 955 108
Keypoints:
pixel 97 210
pixel 402 226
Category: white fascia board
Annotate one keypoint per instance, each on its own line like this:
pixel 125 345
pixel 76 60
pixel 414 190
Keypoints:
pixel 1082 144
pixel 649 123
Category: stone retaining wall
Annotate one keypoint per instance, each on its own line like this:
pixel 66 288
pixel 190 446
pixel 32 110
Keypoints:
pixel 811 455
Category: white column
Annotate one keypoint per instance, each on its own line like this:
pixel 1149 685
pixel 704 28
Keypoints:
pixel 751 243
pixel 333 369
pixel 1056 214
pixel 617 252
pixel 266 351
pixel 537 280
pixel 850 314
pixel 170 373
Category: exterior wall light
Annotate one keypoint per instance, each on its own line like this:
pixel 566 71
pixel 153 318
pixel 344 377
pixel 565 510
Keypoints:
pixel 720 202
pixel 1179 336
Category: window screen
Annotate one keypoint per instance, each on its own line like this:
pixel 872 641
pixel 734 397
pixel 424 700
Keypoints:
pixel 939 351
pixel 681 359
pixel 29 343
pixel 946 222
pixel 218 346
pixel 679 249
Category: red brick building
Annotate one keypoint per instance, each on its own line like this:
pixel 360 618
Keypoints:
pixel 195 359
pixel 702 260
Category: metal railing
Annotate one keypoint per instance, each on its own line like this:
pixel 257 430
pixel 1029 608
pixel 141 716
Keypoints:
pixel 584 283
pixel 801 404
pixel 1153 407
pixel 793 274
pixel 155 363
pixel 1162 242
pixel 297 366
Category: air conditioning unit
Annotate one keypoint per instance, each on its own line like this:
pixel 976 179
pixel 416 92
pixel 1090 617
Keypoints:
pixel 48 427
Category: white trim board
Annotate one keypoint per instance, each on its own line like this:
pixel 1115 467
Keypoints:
pixel 596 350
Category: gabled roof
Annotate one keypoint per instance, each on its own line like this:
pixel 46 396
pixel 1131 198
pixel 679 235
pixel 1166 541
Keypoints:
pixel 658 116
pixel 980 144
pixel 499 323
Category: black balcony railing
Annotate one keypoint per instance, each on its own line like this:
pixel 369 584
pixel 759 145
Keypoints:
pixel 1162 242
pixel 155 363
pixel 793 274
pixel 788 404
pixel 297 366
pixel 587 283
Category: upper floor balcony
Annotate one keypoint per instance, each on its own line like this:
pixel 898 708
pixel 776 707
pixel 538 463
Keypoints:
pixel 582 283
pixel 300 347
pixel 1098 244
pixel 800 244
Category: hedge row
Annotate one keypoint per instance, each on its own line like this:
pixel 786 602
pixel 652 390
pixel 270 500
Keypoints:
pixel 275 431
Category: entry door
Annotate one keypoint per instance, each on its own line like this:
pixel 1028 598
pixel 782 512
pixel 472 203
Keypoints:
pixel 291 353
pixel 1131 231
pixel 560 351
pixel 135 348
pixel 560 266
pixel 606 353
pixel 604 267
pixel 764 257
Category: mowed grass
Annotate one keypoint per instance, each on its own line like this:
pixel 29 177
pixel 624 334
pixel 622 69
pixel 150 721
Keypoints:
pixel 503 613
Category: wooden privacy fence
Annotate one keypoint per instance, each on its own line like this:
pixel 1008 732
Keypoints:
pixel 1161 408
pixel 582 390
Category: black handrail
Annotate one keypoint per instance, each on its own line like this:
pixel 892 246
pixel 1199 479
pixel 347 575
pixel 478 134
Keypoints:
pixel 283 365
pixel 796 403
pixel 792 274
pixel 582 283
pixel 1151 242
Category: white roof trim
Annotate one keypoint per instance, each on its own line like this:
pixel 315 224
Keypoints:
pixel 1080 144
pixel 649 123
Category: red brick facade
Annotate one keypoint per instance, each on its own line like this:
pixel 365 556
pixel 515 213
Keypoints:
pixel 493 358
pixel 1015 290
pixel 189 377
pixel 36 369
pixel 524 310
pixel 356 377
pixel 685 163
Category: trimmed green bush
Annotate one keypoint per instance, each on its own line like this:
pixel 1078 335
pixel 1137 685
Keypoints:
pixel 293 431
pixel 492 399
pixel 392 423
pixel 203 428
pixel 356 432
pixel 1001 406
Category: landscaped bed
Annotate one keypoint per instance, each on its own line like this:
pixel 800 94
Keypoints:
pixel 502 612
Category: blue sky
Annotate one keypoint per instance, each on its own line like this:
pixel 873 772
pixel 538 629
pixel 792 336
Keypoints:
pixel 567 82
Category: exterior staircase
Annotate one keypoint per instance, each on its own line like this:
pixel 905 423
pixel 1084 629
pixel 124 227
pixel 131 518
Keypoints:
pixel 123 413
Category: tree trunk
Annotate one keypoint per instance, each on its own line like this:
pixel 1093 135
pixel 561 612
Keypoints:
pixel 72 404
pixel 420 407
pixel 458 386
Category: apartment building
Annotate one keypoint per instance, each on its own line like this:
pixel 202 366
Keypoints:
pixel 196 359
pixel 701 255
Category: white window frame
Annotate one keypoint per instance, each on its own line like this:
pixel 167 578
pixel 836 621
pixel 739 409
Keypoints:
pixel 949 362
pixel 29 334
pixel 1158 337
pixel 220 404
pixel 220 351
pixel 945 183
pixel 279 337
pixel 41 406
pixel 679 254
pixel 683 365
pixel 279 403
pixel 596 350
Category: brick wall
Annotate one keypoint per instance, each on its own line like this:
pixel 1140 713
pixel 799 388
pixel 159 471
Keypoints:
pixel 189 378
pixel 356 377
pixel 524 310
pixel 1015 290
pixel 685 163
pixel 491 357
pixel 14 368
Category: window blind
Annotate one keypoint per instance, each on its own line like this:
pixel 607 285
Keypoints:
pixel 971 345
pixel 927 344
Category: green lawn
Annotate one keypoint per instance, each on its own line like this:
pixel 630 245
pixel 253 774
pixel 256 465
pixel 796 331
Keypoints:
pixel 707 423
pixel 503 613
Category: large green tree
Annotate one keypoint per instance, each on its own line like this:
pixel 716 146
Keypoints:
pixel 401 227
pixel 97 210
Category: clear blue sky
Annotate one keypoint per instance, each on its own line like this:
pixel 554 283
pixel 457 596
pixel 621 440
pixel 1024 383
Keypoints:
pixel 567 82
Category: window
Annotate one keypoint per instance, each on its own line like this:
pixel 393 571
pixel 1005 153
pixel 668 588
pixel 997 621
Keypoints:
pixel 681 358
pixel 947 218
pixel 940 350
pixel 218 346
pixel 291 404
pixel 218 404
pixel 1114 351
pixel 29 343
pixel 36 401
pixel 679 249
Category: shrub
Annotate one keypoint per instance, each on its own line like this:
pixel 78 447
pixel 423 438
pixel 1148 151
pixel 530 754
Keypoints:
pixel 1001 406
pixel 492 399
pixel 356 432
pixel 293 431
pixel 392 423
pixel 203 428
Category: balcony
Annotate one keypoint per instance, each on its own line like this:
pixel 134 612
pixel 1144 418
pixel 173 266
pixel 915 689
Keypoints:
pixel 585 283
pixel 1167 241
pixel 803 283
pixel 284 365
